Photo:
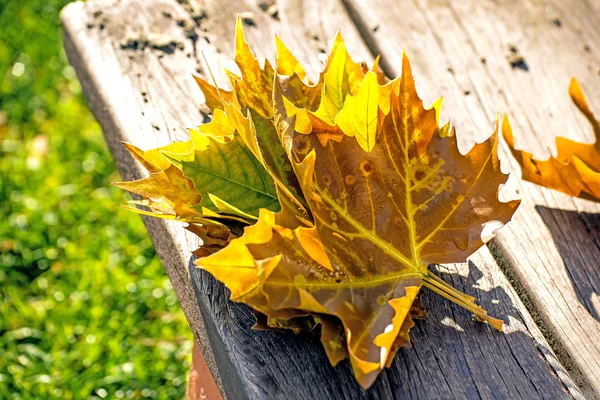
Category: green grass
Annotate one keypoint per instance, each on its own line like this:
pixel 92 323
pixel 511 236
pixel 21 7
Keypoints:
pixel 86 309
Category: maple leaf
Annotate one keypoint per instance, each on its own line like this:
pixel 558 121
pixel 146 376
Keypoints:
pixel 576 168
pixel 177 170
pixel 323 204
pixel 171 195
pixel 382 213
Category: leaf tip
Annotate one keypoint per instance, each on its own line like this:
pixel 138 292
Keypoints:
pixel 507 132
pixel 338 37
pixel 574 87
pixel 437 106
pixel 240 40
pixel 405 62
pixel 407 80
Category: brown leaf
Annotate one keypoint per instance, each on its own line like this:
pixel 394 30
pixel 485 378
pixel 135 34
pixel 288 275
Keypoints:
pixel 380 218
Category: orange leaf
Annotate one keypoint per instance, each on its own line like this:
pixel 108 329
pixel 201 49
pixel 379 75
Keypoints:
pixel 576 168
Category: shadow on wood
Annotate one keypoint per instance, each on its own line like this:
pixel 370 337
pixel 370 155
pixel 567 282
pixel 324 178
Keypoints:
pixel 569 230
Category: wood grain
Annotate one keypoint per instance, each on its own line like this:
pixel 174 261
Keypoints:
pixel 134 59
pixel 469 51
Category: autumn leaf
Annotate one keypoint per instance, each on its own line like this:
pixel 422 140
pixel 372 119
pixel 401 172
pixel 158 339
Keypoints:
pixel 166 191
pixel 382 213
pixel 169 194
pixel 576 168
pixel 323 204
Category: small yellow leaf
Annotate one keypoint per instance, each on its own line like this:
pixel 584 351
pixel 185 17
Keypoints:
pixel 359 115
pixel 335 87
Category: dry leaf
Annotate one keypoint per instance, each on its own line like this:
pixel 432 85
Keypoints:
pixel 369 191
pixel 576 168
pixel 385 205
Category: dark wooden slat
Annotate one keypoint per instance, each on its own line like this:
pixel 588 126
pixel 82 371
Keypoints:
pixel 147 96
pixel 460 50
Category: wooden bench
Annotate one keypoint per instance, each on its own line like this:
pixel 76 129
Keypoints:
pixel 541 274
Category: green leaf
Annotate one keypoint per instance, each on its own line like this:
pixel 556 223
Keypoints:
pixel 232 173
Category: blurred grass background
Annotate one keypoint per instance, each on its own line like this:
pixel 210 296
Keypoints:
pixel 86 309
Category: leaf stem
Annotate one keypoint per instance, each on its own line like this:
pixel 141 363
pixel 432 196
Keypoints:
pixel 439 286
pixel 444 284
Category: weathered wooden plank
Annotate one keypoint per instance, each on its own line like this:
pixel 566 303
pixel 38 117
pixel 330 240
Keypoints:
pixel 134 60
pixel 464 50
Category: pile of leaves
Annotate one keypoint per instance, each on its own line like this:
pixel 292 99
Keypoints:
pixel 322 204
